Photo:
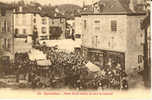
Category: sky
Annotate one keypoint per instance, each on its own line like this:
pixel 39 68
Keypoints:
pixel 57 2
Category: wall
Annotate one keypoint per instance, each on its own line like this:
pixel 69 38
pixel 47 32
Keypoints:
pixel 39 25
pixel 135 40
pixel 21 46
pixel 23 21
pixel 78 25
pixel 129 38
pixel 58 22
pixel 104 38
pixel 7 48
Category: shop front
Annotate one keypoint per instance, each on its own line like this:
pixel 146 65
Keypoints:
pixel 104 57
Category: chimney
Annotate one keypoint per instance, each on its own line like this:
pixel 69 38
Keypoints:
pixel 20 9
pixel 131 5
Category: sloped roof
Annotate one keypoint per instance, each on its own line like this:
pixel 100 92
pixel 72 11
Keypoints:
pixel 32 9
pixel 58 15
pixel 111 7
pixel 5 6
pixel 29 9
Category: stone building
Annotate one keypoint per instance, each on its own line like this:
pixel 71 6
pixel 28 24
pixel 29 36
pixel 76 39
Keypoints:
pixel 57 23
pixel 23 21
pixel 41 23
pixel 6 32
pixel 28 19
pixel 78 26
pixel 112 33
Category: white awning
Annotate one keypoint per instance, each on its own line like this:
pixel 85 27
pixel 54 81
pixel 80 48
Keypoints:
pixel 36 55
pixel 44 62
pixel 92 67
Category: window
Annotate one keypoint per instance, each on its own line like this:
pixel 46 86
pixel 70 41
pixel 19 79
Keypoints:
pixel 96 57
pixel 3 12
pixel 52 21
pixel 35 27
pixel 61 20
pixel 8 29
pixel 94 41
pixel 34 20
pixel 24 31
pixel 140 59
pixel 9 44
pixel 140 23
pixel 5 44
pixel 43 30
pixel 4 26
pixel 113 25
pixel 96 21
pixel 85 24
pixel 44 21
pixel 77 36
pixel 44 38
pixel 16 31
pixel 97 25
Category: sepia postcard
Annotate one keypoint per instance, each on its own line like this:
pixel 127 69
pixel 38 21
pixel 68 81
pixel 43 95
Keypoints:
pixel 75 49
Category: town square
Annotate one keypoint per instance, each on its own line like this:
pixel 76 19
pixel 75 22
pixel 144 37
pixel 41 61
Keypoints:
pixel 101 45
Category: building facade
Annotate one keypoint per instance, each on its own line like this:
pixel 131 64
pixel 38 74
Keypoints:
pixel 112 33
pixel 26 21
pixel 23 23
pixel 41 23
pixel 59 24
pixel 78 27
pixel 6 33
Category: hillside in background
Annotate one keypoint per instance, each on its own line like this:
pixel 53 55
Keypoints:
pixel 69 10
pixel 66 10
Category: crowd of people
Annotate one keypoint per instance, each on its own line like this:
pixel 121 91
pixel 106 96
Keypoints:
pixel 69 70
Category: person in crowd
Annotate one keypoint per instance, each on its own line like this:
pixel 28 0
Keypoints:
pixel 18 73
pixel 70 64
pixel 124 84
pixel 73 38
